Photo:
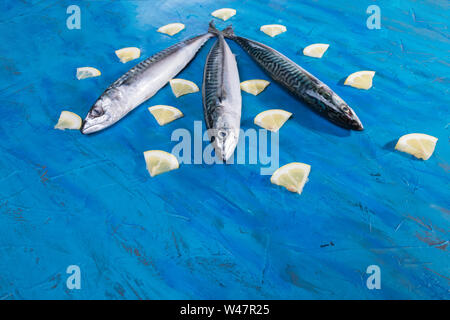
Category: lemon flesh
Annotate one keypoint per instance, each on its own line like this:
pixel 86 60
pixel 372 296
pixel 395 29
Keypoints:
pixel 417 144
pixel 128 54
pixel 316 50
pixel 171 28
pixel 272 119
pixel 273 29
pixel 87 72
pixel 165 114
pixel 159 161
pixel 254 87
pixel 224 14
pixel 293 176
pixel 68 120
pixel 360 79
pixel 181 87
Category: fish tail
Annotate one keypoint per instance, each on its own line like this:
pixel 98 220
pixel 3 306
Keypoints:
pixel 212 29
pixel 228 32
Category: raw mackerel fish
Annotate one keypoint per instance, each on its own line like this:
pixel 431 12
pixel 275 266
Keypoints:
pixel 141 83
pixel 299 82
pixel 222 98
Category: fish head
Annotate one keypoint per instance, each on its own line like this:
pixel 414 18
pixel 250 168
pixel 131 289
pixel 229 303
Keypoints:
pixel 101 114
pixel 338 111
pixel 225 138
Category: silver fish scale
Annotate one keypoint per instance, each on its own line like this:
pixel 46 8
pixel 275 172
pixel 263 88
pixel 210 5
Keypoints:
pixel 142 66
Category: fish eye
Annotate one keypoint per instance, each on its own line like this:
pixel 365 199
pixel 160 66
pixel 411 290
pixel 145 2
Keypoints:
pixel 97 112
pixel 222 134
pixel 346 109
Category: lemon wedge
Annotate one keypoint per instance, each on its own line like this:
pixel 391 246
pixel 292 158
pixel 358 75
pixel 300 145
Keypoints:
pixel 360 79
pixel 273 29
pixel 171 28
pixel 316 50
pixel 128 54
pixel 159 161
pixel 292 176
pixel 165 114
pixel 87 72
pixel 181 87
pixel 272 119
pixel 68 120
pixel 224 14
pixel 254 87
pixel 419 145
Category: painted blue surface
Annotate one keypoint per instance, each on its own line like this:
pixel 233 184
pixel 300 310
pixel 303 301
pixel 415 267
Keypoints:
pixel 220 231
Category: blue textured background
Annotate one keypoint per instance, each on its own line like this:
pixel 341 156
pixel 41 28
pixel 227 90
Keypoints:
pixel 224 231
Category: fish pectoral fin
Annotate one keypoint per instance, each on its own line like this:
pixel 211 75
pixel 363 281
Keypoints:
pixel 221 95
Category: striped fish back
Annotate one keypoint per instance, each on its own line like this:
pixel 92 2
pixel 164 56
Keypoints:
pixel 279 67
pixel 212 79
